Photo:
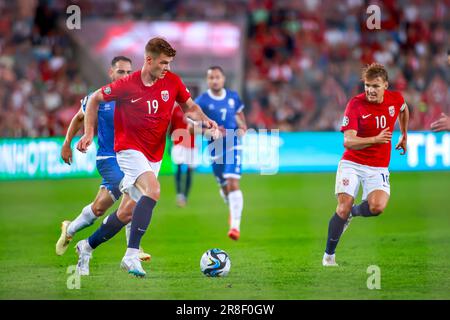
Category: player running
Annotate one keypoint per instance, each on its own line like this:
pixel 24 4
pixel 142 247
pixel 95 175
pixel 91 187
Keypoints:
pixel 144 102
pixel 107 164
pixel 367 125
pixel 225 107
pixel 183 153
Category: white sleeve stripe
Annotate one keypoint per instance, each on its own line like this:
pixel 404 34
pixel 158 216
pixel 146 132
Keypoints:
pixel 403 107
pixel 240 108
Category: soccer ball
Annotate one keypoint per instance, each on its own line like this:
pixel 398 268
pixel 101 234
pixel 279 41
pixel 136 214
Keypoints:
pixel 215 263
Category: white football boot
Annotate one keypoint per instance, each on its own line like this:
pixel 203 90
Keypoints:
pixel 329 260
pixel 64 239
pixel 132 264
pixel 84 256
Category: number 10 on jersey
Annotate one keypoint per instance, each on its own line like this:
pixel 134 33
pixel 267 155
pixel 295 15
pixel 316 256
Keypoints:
pixel 152 106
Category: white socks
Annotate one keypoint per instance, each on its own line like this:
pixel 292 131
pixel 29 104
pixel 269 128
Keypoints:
pixel 224 196
pixel 127 231
pixel 86 218
pixel 236 204
pixel 87 247
pixel 131 252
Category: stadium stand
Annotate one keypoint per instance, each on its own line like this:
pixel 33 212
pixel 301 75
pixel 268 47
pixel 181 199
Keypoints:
pixel 302 58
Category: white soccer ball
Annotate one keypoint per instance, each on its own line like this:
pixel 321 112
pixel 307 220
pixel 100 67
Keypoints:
pixel 215 263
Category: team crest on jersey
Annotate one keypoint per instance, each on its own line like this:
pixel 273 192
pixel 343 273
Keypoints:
pixel 165 95
pixel 391 111
pixel 231 103
pixel 345 182
pixel 345 121
pixel 107 90
pixel 211 106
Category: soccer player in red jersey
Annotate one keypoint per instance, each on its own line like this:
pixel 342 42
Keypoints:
pixel 144 102
pixel 183 152
pixel 367 125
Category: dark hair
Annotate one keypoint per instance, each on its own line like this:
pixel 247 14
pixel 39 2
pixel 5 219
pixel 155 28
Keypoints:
pixel 217 68
pixel 374 71
pixel 157 45
pixel 119 58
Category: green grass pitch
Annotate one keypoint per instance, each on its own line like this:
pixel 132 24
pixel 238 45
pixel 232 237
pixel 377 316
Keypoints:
pixel 284 227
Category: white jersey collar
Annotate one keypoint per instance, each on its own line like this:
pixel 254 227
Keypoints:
pixel 214 97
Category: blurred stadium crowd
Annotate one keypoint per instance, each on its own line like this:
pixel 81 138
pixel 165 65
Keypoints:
pixel 303 58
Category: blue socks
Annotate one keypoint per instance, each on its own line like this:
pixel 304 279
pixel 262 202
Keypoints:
pixel 362 210
pixel 142 215
pixel 178 179
pixel 187 182
pixel 108 229
pixel 335 228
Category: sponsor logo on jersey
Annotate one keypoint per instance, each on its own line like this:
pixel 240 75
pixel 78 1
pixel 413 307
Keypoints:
pixel 211 106
pixel 345 121
pixel 391 111
pixel 106 107
pixel 231 103
pixel 165 95
pixel 107 90
pixel 366 116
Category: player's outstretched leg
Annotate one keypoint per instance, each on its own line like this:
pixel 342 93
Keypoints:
pixel 236 204
pixel 142 213
pixel 69 228
pixel 336 227
pixel 87 217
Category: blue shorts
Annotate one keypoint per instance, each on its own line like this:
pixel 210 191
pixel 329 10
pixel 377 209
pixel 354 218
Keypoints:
pixel 112 175
pixel 228 167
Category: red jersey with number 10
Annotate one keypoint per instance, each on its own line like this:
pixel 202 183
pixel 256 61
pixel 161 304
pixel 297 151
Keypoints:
pixel 369 119
pixel 143 113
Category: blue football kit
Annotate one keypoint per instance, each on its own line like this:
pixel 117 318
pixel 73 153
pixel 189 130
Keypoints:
pixel 226 153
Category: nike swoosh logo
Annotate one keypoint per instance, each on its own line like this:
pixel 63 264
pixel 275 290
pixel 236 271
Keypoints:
pixel 134 100
pixel 142 230
pixel 366 116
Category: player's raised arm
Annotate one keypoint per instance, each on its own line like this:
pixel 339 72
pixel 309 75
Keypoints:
pixel 90 119
pixel 352 141
pixel 403 119
pixel 75 125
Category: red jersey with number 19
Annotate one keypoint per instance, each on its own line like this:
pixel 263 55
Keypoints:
pixel 369 119
pixel 143 113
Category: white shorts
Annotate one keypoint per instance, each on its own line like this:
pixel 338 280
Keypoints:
pixel 133 163
pixel 183 155
pixel 350 175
